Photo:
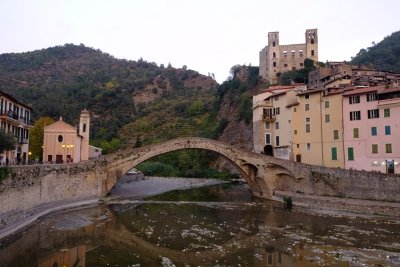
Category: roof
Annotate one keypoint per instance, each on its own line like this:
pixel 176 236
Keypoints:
pixel 60 126
pixel 312 91
pixel 364 90
pixel 15 100
pixel 389 90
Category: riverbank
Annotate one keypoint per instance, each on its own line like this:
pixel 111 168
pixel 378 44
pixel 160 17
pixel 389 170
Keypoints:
pixel 341 207
pixel 134 186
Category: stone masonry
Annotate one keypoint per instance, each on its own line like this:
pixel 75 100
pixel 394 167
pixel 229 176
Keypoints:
pixel 31 186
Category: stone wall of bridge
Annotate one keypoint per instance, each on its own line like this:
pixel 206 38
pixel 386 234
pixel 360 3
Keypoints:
pixel 30 186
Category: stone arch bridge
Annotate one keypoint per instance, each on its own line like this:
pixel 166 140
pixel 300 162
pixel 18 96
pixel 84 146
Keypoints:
pixel 31 186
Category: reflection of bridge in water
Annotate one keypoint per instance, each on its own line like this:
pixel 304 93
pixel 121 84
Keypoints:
pixel 70 248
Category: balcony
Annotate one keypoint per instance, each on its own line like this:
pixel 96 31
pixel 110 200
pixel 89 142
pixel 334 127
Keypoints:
pixel 268 117
pixel 23 141
pixel 14 118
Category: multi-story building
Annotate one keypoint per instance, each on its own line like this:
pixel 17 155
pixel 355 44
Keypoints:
pixel 15 118
pixel 276 58
pixel 371 119
pixel 342 74
pixel 272 120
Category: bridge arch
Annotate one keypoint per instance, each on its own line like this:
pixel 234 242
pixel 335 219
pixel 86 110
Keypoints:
pixel 128 159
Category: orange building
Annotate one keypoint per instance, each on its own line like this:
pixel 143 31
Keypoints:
pixel 63 143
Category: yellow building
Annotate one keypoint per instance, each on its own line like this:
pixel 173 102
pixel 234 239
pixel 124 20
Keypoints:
pixel 318 128
pixel 62 143
pixel 307 128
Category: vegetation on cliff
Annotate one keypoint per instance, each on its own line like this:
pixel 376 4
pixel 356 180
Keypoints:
pixel 382 56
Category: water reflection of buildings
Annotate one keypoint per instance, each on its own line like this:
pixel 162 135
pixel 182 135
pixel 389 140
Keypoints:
pixel 65 258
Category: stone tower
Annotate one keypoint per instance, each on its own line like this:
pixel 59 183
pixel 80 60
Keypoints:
pixel 312 44
pixel 276 58
pixel 273 65
pixel 84 126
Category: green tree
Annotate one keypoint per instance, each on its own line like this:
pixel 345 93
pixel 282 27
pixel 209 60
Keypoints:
pixel 36 137
pixel 7 142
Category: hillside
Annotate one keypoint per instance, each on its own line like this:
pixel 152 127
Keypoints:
pixel 133 103
pixel 382 56
pixel 61 81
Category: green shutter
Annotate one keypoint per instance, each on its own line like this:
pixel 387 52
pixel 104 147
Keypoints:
pixel 334 153
pixel 350 153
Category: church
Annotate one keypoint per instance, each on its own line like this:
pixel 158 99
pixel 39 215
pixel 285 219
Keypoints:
pixel 63 143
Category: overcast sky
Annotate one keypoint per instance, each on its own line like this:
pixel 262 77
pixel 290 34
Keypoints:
pixel 206 35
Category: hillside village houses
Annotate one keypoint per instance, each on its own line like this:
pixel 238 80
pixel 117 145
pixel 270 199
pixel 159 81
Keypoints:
pixel 63 143
pixel 15 118
pixel 347 117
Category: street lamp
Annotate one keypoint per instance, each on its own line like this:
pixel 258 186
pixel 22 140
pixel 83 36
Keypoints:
pixel 67 147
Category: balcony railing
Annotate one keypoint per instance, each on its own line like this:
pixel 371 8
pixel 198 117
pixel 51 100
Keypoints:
pixel 268 117
pixel 15 117
pixel 23 140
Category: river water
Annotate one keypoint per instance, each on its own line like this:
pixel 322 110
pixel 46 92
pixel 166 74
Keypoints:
pixel 212 226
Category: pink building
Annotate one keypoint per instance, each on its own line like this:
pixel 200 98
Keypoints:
pixel 371 123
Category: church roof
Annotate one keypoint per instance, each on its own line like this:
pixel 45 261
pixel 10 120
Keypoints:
pixel 60 126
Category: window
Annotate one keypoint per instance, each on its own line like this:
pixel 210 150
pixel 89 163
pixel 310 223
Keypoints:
pixel 312 52
pixel 327 117
pixel 294 110
pixel 273 64
pixel 374 131
pixel 354 99
pixel 285 65
pixel 386 112
pixel 388 148
pixel 295 131
pixel 308 128
pixel 307 96
pixel 297 145
pixel 277 111
pixel 387 130
pixel 374 148
pixel 277 140
pixel 274 55
pixel 293 68
pixel 312 41
pixel 273 44
pixel 277 125
pixel 356 133
pixel 373 113
pixel 334 153
pixel 335 134
pixel 301 64
pixel 60 138
pixel 307 107
pixel 372 97
pixel 267 125
pixel 355 115
pixel 308 120
pixel 84 128
pixel 326 104
pixel 350 153
pixel 276 98
pixel 301 54
pixel 268 139
pixel 308 146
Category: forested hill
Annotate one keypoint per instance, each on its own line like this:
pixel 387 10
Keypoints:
pixel 383 56
pixel 131 102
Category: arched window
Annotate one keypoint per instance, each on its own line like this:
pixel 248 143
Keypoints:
pixel 84 128
pixel 273 44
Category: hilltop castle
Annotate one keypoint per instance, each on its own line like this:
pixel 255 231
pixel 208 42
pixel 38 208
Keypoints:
pixel 275 58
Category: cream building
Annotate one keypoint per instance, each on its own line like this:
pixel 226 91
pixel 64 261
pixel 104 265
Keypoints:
pixel 15 119
pixel 62 143
pixel 276 58
pixel 272 120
